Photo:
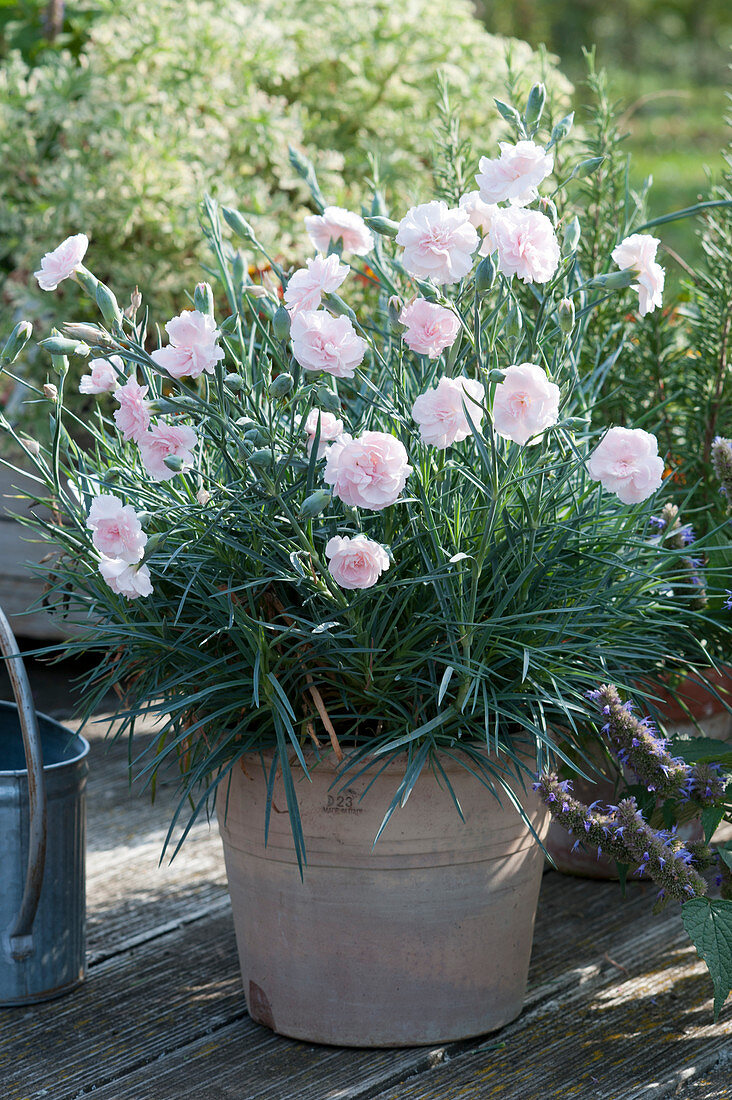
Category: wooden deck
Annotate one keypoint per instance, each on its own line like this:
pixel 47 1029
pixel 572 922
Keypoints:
pixel 619 1007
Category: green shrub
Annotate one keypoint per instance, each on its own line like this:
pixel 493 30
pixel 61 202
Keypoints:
pixel 168 101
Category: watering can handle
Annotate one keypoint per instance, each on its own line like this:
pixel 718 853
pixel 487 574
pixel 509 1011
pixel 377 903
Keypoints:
pixel 21 941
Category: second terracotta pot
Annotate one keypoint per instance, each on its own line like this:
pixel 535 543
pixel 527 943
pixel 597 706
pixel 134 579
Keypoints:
pixel 424 938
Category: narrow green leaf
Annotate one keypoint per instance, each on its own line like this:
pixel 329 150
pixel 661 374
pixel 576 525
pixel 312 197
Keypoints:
pixel 444 682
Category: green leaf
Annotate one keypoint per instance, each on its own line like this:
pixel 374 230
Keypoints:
pixel 724 851
pixel 702 750
pixel 710 819
pixel 709 926
pixel 444 682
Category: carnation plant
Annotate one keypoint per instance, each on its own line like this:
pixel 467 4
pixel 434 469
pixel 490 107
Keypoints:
pixel 391 535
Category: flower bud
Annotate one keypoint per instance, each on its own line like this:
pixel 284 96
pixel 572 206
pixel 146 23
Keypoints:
pixel 238 269
pixel 575 424
pixel 281 324
pixel 316 503
pixel 722 464
pixel 338 306
pixel 108 305
pixel 485 276
pixel 203 299
pixel 156 540
pixel 238 224
pixel 385 227
pixel 32 446
pixel 394 309
pixel 86 280
pixel 234 382
pixel 614 280
pixel 496 375
pixel 550 210
pixel 255 435
pixel 163 405
pixel 571 239
pixel 135 300
pixel 228 325
pixel 329 400
pixel 255 290
pixel 61 345
pixel 561 129
pixel 263 457
pixel 534 106
pixel 173 462
pixel 89 334
pixel 203 497
pixel 15 343
pixel 565 315
pixel 50 391
pixel 246 422
pixel 587 167
pixel 281 385
pixel 510 114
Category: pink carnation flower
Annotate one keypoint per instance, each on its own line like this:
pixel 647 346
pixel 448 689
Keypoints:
pixel 117 532
pixel 626 462
pixel 481 215
pixel 430 328
pixel 525 403
pixel 330 429
pixel 103 376
pixel 440 412
pixel 323 342
pixel 192 348
pixel 526 244
pixel 515 175
pixel 438 242
pixel 124 579
pixel 639 251
pixel 62 262
pixel 368 472
pixel 132 417
pixel 356 562
pixel 162 441
pixel 323 275
pixel 336 224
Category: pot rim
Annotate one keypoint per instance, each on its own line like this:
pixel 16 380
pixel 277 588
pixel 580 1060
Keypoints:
pixel 58 727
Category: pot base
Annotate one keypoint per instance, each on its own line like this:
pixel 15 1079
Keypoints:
pixel 424 939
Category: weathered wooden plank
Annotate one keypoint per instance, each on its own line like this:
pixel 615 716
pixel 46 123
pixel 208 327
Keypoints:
pixel 602 1035
pixel 131 896
pixel 167 995
pixel 618 1005
pixel 641 1036
pixel 132 1008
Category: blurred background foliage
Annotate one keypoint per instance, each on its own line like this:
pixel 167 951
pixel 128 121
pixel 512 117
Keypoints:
pixel 120 123
pixel 668 62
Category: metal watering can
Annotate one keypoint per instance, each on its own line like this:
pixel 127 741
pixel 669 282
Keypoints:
pixel 43 770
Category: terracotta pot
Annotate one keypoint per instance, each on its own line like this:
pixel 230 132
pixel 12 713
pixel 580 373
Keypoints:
pixel 712 717
pixel 422 939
